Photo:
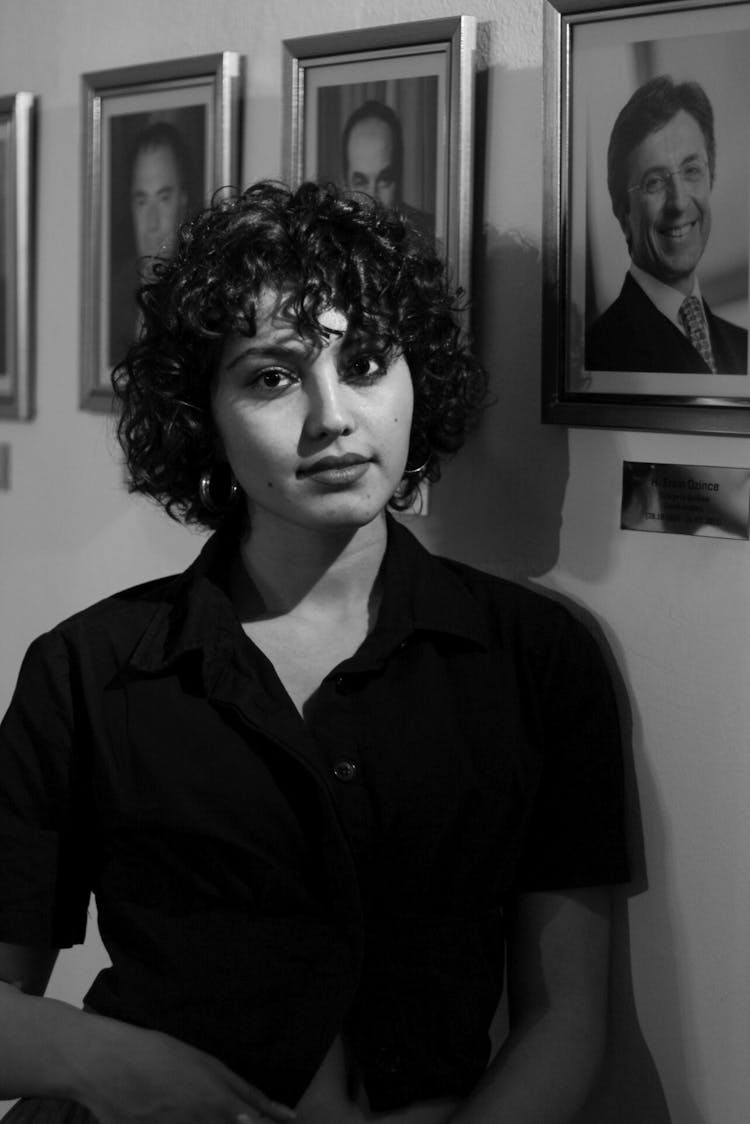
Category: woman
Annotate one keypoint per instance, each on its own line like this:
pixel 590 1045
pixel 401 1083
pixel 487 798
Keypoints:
pixel 320 781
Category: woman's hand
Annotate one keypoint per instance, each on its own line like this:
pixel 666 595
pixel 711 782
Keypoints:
pixel 123 1074
pixel 127 1075
pixel 327 1099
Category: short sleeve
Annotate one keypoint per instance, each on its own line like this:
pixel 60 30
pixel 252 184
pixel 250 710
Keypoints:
pixel 43 882
pixel 577 834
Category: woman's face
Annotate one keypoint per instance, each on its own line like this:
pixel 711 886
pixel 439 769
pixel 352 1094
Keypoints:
pixel 317 434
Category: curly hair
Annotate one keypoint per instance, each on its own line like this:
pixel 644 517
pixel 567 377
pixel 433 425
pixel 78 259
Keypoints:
pixel 327 250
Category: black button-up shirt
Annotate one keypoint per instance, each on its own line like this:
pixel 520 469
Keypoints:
pixel 265 882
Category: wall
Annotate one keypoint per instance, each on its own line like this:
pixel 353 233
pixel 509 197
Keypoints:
pixel 535 502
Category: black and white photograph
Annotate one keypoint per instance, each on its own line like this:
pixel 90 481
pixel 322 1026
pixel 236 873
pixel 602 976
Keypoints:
pixel 159 140
pixel 676 169
pixel 387 113
pixel 654 181
pixel 381 138
pixel 158 177
pixel 374 563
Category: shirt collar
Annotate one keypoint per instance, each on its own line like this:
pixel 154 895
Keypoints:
pixel 667 300
pixel 421 592
pixel 424 593
pixel 196 613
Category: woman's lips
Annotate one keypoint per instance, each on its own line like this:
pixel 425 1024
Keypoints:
pixel 336 471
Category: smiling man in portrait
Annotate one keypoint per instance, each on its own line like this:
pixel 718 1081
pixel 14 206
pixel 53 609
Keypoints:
pixel 661 165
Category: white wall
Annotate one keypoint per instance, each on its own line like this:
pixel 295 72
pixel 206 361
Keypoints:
pixel 531 501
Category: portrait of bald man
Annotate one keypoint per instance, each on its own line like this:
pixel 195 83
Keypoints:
pixel 159 181
pixel 372 160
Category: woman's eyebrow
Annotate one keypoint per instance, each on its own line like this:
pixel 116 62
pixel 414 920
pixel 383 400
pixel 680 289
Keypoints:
pixel 262 350
pixel 357 339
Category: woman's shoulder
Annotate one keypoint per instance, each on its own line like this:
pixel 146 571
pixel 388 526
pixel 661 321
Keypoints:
pixel 529 614
pixel 532 618
pixel 507 596
pixel 107 631
pixel 130 610
pixel 132 604
pixel 79 656
pixel 144 624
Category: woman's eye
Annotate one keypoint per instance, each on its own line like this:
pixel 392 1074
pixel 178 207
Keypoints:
pixel 271 379
pixel 366 368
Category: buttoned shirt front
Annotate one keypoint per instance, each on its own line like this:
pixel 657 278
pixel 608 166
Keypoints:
pixel 264 883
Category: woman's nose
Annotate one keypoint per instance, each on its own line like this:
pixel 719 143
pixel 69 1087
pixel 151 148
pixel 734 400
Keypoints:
pixel 328 404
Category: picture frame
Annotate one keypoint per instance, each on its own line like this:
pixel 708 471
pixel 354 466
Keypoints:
pixel 418 78
pixel 17 227
pixel 159 139
pixel 614 353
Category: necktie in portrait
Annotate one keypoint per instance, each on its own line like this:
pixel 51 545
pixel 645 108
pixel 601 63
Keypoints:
pixel 691 315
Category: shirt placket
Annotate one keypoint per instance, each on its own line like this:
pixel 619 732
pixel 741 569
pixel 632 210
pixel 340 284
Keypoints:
pixel 275 720
pixel 338 732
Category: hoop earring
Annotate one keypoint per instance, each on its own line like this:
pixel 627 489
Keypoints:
pixel 416 471
pixel 208 501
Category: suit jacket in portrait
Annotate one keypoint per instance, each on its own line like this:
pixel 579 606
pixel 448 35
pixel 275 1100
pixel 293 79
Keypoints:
pixel 123 310
pixel 632 335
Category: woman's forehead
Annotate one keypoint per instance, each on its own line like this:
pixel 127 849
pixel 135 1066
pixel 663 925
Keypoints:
pixel 277 312
pixel 282 311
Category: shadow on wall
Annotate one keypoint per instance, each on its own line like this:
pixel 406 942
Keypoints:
pixel 629 1089
pixel 499 505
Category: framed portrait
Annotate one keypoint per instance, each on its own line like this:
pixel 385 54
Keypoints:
pixel 17 198
pixel 159 140
pixel 388 111
pixel 646 223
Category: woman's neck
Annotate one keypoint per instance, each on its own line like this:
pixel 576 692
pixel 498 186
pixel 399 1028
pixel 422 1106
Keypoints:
pixel 302 572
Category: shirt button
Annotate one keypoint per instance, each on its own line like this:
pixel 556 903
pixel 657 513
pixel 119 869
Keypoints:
pixel 345 770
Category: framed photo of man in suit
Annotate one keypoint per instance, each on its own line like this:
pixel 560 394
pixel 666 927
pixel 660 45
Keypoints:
pixel 387 111
pixel 17 180
pixel 646 225
pixel 159 140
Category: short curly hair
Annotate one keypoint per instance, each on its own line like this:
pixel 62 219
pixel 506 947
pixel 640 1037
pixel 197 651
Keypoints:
pixel 327 249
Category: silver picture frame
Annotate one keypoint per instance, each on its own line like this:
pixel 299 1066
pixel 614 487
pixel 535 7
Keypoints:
pixel 17 235
pixel 422 72
pixel 597 55
pixel 190 107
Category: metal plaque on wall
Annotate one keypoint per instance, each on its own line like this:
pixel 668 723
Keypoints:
pixel 686 499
